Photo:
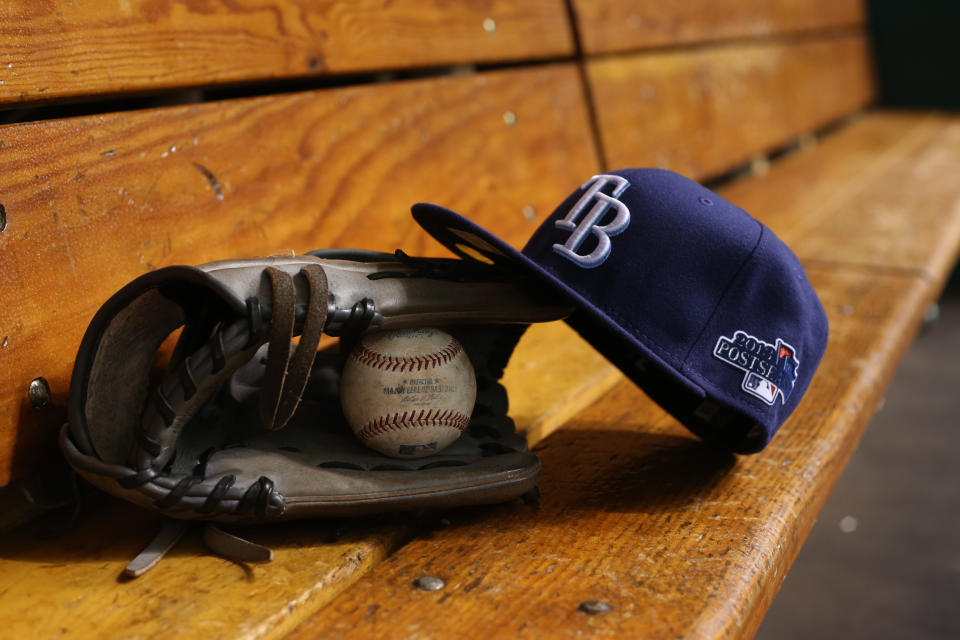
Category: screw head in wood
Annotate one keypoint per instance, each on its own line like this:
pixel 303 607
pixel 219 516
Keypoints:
pixel 595 607
pixel 39 393
pixel 429 583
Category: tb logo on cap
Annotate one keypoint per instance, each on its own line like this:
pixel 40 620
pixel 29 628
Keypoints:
pixel 601 204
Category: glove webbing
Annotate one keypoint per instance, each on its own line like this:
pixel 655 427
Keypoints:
pixel 285 379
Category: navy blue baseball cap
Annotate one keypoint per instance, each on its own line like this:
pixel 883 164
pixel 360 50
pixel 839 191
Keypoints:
pixel 698 303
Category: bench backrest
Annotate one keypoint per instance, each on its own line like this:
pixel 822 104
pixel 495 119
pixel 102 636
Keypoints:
pixel 168 132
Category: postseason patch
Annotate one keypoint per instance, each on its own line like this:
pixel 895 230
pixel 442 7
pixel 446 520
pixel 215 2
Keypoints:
pixel 770 370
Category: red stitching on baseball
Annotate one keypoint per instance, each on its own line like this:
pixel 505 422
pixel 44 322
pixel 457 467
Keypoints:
pixel 425 418
pixel 407 363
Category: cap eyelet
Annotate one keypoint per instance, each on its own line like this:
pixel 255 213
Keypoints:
pixel 705 201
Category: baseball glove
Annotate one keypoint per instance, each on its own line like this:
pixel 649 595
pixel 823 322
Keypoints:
pixel 241 425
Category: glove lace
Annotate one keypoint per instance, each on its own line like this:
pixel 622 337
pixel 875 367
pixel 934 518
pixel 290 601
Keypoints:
pixel 284 381
pixel 285 376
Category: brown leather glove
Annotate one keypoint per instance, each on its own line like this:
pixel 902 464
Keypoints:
pixel 236 428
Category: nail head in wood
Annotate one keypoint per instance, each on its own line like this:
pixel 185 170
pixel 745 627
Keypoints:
pixel 931 316
pixel 595 607
pixel 39 393
pixel 429 583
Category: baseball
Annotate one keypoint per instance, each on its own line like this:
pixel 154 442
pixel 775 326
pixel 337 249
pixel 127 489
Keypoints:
pixel 408 393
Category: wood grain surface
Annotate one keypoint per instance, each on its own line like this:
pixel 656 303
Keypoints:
pixel 552 376
pixel 622 25
pixel 93 202
pixel 53 50
pixel 882 192
pixel 192 594
pixel 702 112
pixel 69 586
pixel 679 539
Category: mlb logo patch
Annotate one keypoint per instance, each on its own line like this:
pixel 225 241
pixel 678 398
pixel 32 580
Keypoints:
pixel 770 370
pixel 759 387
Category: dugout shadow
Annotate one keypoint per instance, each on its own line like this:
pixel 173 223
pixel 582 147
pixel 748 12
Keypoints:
pixel 588 470
pixel 629 470
pixel 109 529
pixel 584 470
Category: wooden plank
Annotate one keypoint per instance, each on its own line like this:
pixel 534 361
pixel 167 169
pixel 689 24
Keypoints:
pixel 621 479
pixel 881 192
pixel 192 594
pixel 621 25
pixel 680 539
pixel 703 112
pixel 93 202
pixel 552 376
pixel 56 50
pixel 69 587
pixel 632 502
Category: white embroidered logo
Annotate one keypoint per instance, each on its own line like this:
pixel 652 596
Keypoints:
pixel 589 223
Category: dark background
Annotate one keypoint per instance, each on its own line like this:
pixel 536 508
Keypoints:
pixel 883 560
pixel 917 51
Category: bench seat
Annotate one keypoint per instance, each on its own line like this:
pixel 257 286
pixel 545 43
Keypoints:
pixel 682 540
pixel 679 539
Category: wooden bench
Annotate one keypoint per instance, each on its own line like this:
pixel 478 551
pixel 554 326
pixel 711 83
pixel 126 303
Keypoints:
pixel 309 125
